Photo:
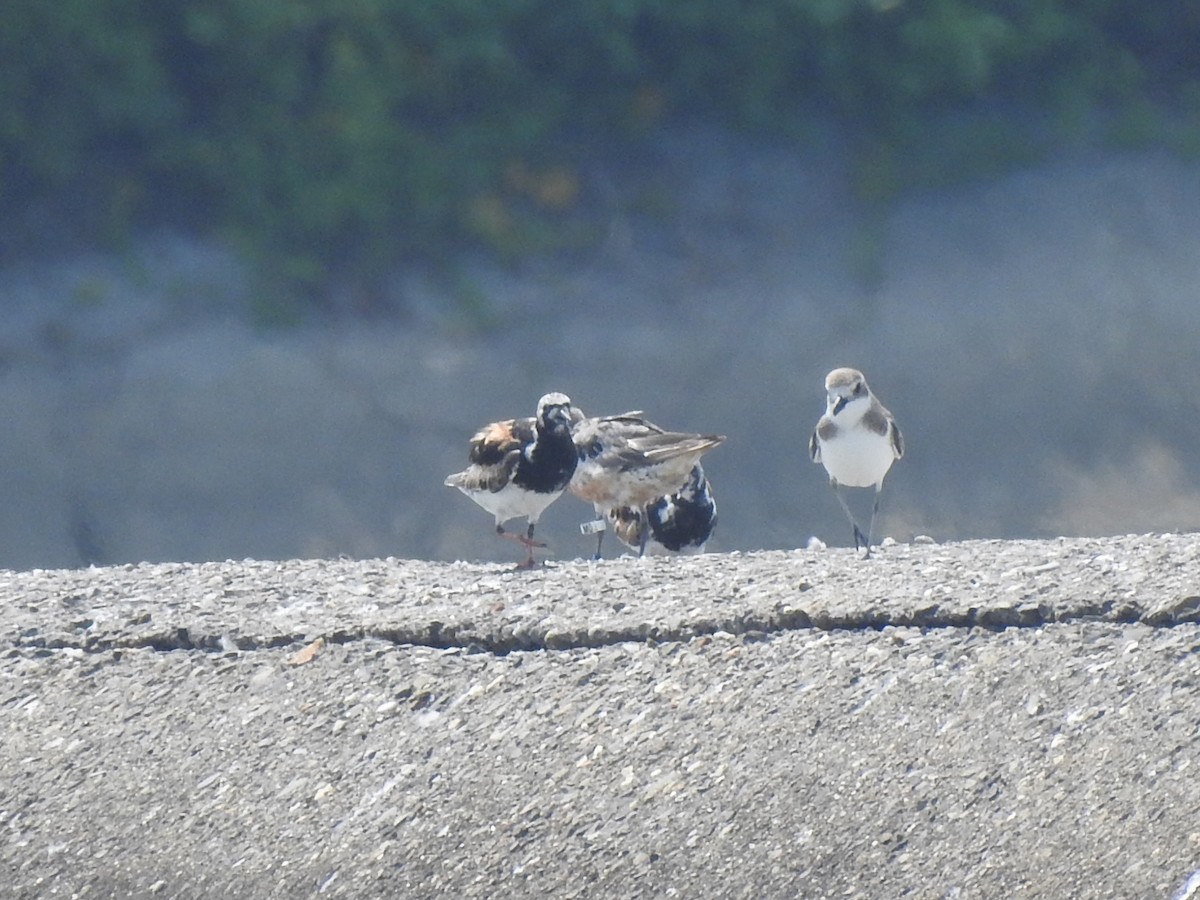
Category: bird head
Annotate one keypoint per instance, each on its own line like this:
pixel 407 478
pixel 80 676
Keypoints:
pixel 843 386
pixel 555 412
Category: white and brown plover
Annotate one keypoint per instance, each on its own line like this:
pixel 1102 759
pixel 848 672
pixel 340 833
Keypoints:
pixel 857 440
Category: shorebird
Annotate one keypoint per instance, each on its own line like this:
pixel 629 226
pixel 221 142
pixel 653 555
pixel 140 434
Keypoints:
pixel 626 461
pixel 857 440
pixel 679 522
pixel 520 466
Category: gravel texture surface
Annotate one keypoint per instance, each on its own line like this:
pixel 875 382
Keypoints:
pixel 982 719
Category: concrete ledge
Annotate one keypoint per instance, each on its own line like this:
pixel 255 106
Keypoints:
pixel 968 720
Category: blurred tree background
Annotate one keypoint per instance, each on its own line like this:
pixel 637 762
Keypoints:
pixel 331 139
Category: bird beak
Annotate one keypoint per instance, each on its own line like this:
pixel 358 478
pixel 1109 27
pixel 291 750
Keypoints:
pixel 838 405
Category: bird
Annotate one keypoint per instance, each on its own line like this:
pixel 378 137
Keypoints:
pixel 518 467
pixel 627 461
pixel 681 521
pixel 857 440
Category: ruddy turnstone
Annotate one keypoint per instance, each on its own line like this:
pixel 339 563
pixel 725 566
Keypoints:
pixel 626 461
pixel 680 521
pixel 857 440
pixel 520 466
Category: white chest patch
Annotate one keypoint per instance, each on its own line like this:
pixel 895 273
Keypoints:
pixel 857 457
pixel 512 501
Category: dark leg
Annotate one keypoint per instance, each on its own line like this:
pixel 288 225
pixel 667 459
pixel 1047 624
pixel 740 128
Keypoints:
pixel 874 513
pixel 643 530
pixel 860 540
pixel 597 526
pixel 530 543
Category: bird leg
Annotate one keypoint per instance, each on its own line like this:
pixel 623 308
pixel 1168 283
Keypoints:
pixel 860 540
pixel 524 539
pixel 597 526
pixel 874 513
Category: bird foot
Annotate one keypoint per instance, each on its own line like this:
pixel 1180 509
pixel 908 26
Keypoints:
pixel 860 540
pixel 521 539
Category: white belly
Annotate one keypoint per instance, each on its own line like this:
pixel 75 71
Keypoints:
pixel 511 501
pixel 857 457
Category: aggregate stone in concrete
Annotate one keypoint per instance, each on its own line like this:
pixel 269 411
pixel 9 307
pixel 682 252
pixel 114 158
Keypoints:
pixel 253 604
pixel 982 719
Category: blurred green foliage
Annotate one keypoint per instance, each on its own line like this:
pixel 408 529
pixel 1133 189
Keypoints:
pixel 333 137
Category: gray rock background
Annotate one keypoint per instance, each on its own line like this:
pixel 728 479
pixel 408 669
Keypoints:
pixel 1035 335
pixel 986 719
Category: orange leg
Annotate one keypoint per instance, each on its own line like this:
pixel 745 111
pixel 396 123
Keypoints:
pixel 525 539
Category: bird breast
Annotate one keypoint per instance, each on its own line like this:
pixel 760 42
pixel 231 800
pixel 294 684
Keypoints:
pixel 857 457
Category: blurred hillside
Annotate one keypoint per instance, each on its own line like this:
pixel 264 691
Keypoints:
pixel 689 209
pixel 1035 335
pixel 327 141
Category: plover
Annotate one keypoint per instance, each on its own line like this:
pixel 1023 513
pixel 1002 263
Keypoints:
pixel 521 466
pixel 627 461
pixel 857 440
pixel 680 522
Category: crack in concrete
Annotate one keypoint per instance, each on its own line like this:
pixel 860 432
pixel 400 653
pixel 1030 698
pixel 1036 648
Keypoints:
pixel 749 625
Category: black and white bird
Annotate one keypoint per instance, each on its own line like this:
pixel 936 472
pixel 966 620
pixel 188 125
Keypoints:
pixel 626 461
pixel 520 466
pixel 680 522
pixel 857 440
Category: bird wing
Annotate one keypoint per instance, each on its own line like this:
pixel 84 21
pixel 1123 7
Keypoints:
pixel 634 415
pixel 609 439
pixel 897 440
pixel 495 451
pixel 659 446
pixel 882 422
pixel 626 442
pixel 490 478
pixel 493 443
pixel 826 429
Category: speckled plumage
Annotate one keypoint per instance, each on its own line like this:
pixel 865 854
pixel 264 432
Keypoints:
pixel 679 522
pixel 518 467
pixel 629 462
